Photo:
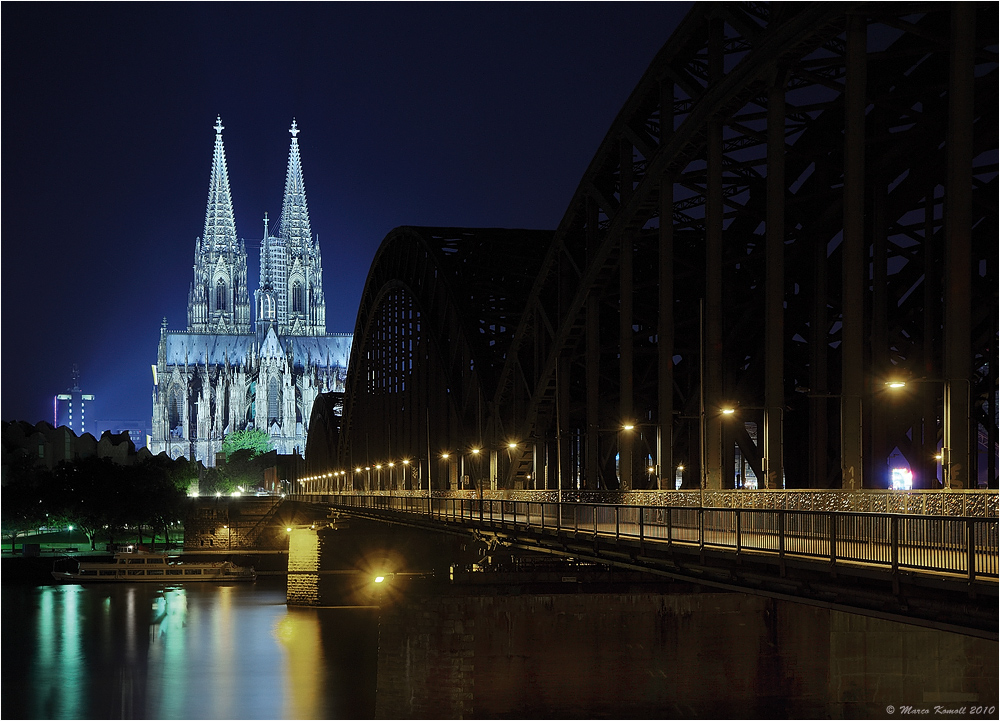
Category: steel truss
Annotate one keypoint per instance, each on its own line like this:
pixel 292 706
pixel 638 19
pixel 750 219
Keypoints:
pixel 830 175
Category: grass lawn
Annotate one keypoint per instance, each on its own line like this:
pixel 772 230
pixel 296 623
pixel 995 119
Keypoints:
pixel 61 540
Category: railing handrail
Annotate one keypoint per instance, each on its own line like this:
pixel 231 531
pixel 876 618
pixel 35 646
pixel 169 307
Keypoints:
pixel 807 511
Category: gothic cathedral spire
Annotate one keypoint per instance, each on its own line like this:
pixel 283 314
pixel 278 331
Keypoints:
pixel 306 306
pixel 218 301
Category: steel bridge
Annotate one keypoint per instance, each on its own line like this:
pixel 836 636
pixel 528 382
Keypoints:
pixel 796 206
pixel 779 271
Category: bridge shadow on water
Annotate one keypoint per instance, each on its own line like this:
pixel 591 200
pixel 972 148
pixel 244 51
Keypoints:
pixel 466 630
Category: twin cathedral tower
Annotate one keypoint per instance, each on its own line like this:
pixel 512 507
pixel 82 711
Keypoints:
pixel 228 371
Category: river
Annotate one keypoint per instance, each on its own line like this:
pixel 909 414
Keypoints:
pixel 206 651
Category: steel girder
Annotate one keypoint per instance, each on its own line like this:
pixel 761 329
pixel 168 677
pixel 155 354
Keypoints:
pixel 692 143
pixel 829 172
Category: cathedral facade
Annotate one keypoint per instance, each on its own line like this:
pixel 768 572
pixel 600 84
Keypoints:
pixel 229 371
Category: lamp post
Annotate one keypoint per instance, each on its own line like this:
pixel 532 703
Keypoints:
pixel 654 468
pixel 511 447
pixel 951 471
pixel 477 482
pixel 444 457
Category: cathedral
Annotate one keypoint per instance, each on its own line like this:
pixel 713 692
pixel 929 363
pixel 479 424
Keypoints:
pixel 227 371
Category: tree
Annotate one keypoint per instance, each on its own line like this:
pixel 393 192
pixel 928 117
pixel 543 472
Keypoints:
pixel 244 469
pixel 254 440
pixel 216 481
pixel 89 493
pixel 24 506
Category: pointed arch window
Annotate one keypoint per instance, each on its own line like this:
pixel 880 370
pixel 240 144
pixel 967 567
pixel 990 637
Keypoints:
pixel 272 401
pixel 220 295
pixel 175 409
pixel 298 301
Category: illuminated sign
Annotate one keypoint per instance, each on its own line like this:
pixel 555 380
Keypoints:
pixel 901 479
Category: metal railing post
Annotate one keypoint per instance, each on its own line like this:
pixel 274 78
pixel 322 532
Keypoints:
pixel 833 539
pixel 781 541
pixel 739 543
pixel 641 514
pixel 894 543
pixel 670 528
pixel 701 528
pixel 970 536
pixel 617 525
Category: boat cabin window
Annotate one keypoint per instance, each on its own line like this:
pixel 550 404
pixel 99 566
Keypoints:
pixel 174 572
pixel 192 571
pixel 154 572
pixel 137 572
pixel 108 573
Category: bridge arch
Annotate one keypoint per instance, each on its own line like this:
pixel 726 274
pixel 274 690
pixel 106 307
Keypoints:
pixel 436 306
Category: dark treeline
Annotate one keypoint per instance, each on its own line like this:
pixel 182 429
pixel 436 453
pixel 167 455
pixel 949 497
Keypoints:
pixel 104 500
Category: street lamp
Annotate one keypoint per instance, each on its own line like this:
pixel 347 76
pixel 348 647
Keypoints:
pixel 478 482
pixel 655 466
pixel 948 430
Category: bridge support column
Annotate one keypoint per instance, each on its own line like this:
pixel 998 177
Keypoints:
pixel 928 391
pixel 774 385
pixel 854 268
pixel 958 251
pixel 626 461
pixel 880 414
pixel 665 338
pixel 592 471
pixel 713 473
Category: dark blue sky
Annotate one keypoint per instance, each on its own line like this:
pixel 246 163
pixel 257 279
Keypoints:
pixel 478 115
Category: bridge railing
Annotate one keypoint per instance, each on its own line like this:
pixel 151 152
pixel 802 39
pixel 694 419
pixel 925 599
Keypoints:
pixel 967 546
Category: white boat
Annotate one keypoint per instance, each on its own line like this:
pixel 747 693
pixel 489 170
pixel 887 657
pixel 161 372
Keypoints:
pixel 143 567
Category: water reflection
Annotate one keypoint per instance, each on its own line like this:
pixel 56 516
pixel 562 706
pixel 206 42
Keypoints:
pixel 58 664
pixel 192 651
pixel 299 634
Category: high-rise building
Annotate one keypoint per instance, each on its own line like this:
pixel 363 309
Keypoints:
pixel 228 373
pixel 70 408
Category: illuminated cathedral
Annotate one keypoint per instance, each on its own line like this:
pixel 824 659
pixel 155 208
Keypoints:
pixel 228 371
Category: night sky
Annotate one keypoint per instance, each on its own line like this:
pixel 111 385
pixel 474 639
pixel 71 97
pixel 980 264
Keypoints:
pixel 476 115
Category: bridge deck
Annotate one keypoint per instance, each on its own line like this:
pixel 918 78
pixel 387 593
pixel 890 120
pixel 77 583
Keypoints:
pixel 934 570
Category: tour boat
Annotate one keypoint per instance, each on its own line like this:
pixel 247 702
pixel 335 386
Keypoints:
pixel 143 567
